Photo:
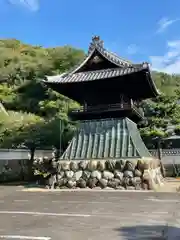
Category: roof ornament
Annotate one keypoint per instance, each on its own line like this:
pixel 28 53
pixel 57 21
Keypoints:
pixel 96 41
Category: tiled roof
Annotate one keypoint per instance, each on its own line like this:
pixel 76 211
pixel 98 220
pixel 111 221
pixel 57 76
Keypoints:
pixel 121 67
pixel 101 139
pixel 94 75
pixel 98 44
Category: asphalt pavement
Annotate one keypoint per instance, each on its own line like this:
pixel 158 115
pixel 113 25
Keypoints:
pixel 88 215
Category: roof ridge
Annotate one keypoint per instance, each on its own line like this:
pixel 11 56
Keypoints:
pixel 98 44
pixel 108 69
pixel 116 55
pixel 113 57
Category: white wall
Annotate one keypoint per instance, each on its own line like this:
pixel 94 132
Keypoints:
pixel 169 156
pixel 13 154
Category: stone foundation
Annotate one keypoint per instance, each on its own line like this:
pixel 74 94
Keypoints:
pixel 116 174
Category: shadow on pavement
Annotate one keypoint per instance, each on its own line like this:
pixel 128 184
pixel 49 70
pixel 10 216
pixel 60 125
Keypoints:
pixel 156 232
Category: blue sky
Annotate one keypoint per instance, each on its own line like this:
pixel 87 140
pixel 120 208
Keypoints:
pixel 137 30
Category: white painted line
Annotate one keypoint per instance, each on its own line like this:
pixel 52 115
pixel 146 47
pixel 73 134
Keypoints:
pixel 85 202
pixel 162 200
pixel 46 214
pixel 161 212
pixel 23 237
pixel 19 200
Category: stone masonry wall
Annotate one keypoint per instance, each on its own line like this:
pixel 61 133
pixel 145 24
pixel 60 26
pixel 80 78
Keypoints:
pixel 116 174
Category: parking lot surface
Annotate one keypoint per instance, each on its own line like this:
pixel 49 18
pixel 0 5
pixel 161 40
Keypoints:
pixel 86 215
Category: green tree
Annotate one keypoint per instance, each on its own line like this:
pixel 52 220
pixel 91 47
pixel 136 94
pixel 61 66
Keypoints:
pixel 22 67
pixel 160 113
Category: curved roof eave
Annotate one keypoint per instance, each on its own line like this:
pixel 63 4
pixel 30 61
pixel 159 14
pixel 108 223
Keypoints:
pixel 152 83
pixel 48 78
pixel 72 70
pixel 113 58
pixel 106 54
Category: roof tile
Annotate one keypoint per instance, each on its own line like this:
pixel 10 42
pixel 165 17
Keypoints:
pixel 93 75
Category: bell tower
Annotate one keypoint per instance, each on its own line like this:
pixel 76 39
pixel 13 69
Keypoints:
pixel 109 89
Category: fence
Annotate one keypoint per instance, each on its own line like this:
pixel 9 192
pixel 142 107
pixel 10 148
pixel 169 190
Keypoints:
pixel 13 162
pixel 168 155
pixel 21 154
pixel 170 160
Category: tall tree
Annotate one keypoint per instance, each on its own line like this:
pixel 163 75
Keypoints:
pixel 160 113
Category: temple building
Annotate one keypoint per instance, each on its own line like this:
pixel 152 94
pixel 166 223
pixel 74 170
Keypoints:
pixel 109 90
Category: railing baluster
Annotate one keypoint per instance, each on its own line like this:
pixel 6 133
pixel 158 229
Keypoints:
pixel 115 106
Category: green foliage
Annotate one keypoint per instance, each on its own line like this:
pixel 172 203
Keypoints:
pixel 161 113
pixel 166 83
pixel 21 66
pixel 35 112
pixel 177 130
pixel 31 131
pixel 19 129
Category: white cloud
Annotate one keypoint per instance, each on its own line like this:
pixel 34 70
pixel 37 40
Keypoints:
pixel 32 5
pixel 170 61
pixel 132 49
pixel 164 23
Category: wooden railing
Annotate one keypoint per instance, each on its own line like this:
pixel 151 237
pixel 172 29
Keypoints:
pixel 108 107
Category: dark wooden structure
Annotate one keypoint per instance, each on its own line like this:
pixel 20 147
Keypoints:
pixel 109 90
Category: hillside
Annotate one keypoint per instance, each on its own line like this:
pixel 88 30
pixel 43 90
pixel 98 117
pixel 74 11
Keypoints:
pixel 166 83
pixel 21 67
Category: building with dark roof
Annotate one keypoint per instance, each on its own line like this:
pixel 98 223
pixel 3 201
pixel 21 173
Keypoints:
pixel 109 89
